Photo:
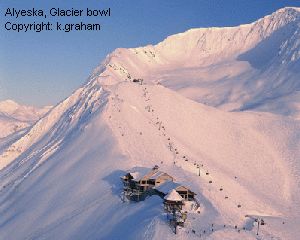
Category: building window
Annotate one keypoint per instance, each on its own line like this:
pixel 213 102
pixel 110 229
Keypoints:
pixel 151 182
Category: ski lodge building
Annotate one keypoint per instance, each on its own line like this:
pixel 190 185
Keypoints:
pixel 143 182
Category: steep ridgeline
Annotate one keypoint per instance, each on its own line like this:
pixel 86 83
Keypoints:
pixel 250 67
pixel 61 179
pixel 57 125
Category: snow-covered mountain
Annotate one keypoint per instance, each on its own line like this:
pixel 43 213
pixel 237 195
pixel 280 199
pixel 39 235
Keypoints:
pixel 15 117
pixel 249 67
pixel 61 179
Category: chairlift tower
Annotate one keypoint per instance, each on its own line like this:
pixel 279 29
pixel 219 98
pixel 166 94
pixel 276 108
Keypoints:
pixel 259 221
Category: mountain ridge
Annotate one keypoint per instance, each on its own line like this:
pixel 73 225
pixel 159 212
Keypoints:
pixel 212 73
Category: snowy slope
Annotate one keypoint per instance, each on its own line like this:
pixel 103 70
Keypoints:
pixel 253 66
pixel 60 180
pixel 250 67
pixel 15 117
pixel 10 125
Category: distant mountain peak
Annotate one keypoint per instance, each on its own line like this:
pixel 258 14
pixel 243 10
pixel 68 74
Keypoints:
pixel 8 102
pixel 15 116
pixel 8 105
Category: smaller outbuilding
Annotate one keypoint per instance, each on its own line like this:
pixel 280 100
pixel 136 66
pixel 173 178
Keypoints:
pixel 138 80
pixel 173 201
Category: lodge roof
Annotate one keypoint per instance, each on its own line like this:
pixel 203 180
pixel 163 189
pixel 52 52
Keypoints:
pixel 167 186
pixel 173 196
pixel 138 173
pixel 157 174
